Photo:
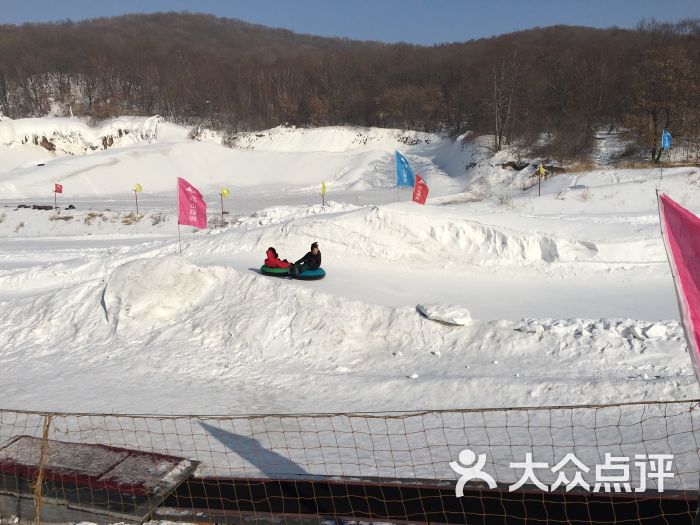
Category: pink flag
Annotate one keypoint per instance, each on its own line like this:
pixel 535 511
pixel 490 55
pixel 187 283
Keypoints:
pixel 420 190
pixel 57 188
pixel 191 207
pixel 681 233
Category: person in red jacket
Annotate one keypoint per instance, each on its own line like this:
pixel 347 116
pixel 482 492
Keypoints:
pixel 273 260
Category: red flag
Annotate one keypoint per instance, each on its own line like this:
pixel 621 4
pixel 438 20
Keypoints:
pixel 192 209
pixel 681 233
pixel 57 188
pixel 420 190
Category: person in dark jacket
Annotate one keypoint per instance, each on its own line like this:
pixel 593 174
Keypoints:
pixel 273 260
pixel 310 261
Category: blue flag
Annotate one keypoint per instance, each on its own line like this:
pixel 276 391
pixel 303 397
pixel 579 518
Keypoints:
pixel 404 173
pixel 665 139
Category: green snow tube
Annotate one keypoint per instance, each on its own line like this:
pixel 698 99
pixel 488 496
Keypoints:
pixel 274 272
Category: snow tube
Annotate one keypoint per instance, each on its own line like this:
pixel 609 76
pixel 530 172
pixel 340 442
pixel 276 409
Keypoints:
pixel 274 272
pixel 310 275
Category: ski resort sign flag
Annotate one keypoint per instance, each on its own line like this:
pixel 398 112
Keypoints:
pixel 404 173
pixel 681 233
pixel 192 210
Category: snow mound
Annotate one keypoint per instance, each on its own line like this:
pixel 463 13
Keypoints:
pixel 446 313
pixel 156 291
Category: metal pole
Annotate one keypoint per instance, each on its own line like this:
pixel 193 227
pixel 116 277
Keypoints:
pixel 136 196
pixel 55 207
pixel 178 237
pixel 222 204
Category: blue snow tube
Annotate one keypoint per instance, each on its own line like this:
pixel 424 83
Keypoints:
pixel 310 275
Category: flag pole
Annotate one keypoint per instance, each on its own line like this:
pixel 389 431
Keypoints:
pixel 55 207
pixel 222 203
pixel 136 196
pixel 179 241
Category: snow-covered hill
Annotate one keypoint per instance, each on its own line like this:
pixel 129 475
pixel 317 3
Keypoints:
pixel 569 294
pixel 111 158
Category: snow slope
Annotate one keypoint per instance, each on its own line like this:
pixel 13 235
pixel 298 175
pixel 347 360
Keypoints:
pixel 524 300
pixel 153 151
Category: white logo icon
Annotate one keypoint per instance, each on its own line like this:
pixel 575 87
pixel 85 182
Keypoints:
pixel 468 473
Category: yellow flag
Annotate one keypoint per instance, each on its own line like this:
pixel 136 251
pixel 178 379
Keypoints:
pixel 137 188
pixel 541 170
pixel 225 193
pixel 323 187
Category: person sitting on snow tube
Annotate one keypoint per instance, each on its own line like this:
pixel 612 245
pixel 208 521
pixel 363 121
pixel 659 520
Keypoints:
pixel 310 261
pixel 273 260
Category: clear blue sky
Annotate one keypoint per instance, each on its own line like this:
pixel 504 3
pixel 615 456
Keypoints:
pixel 416 21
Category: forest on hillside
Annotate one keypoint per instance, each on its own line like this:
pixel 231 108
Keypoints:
pixel 545 90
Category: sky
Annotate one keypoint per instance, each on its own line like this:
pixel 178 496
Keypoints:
pixel 415 21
